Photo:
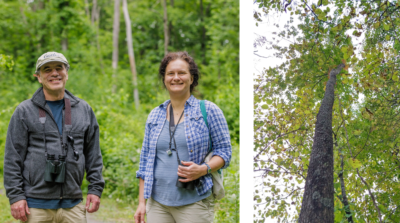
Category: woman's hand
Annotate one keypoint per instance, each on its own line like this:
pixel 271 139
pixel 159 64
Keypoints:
pixel 140 213
pixel 191 171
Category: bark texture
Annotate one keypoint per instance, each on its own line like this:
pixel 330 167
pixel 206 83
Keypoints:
pixel 318 204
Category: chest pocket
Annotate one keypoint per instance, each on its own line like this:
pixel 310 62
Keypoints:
pixel 79 140
pixel 153 126
pixel 198 124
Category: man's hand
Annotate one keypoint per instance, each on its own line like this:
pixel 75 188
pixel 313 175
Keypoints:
pixel 95 200
pixel 140 213
pixel 18 210
pixel 191 171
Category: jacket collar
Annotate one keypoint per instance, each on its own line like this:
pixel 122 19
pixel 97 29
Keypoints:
pixel 39 99
pixel 191 102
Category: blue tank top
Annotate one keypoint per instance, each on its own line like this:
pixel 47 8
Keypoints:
pixel 166 167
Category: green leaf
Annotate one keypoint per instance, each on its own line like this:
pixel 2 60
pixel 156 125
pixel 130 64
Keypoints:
pixel 355 163
pixel 386 27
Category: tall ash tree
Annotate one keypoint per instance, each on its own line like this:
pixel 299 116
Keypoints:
pixel 326 151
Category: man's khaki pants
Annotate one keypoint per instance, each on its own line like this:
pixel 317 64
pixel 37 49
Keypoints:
pixel 198 212
pixel 76 214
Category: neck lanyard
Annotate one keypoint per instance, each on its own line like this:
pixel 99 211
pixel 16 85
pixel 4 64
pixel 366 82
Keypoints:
pixel 68 127
pixel 173 127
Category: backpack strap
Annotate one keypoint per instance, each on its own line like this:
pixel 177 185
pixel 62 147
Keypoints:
pixel 204 113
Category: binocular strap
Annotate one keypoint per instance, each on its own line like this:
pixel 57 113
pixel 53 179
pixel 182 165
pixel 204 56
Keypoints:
pixel 173 127
pixel 67 123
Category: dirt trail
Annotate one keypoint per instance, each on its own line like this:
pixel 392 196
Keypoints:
pixel 91 218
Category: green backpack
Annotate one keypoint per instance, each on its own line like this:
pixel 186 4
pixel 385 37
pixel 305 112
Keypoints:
pixel 218 178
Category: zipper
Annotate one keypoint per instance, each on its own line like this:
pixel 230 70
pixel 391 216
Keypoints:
pixel 62 149
pixel 61 141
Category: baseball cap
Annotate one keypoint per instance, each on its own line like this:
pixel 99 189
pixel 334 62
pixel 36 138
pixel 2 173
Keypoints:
pixel 51 57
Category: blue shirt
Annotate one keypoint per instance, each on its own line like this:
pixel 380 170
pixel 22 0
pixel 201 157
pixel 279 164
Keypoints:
pixel 56 108
pixel 197 138
pixel 165 190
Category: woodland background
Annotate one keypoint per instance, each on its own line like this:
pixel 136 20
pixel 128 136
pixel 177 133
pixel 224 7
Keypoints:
pixel 83 31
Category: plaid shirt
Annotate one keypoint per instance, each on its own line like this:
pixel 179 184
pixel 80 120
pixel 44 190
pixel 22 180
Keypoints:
pixel 197 138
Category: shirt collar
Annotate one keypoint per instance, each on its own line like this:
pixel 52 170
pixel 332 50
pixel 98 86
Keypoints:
pixel 39 99
pixel 190 102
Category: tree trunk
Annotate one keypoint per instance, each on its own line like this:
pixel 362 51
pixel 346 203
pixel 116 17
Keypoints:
pixel 166 31
pixel 203 33
pixel 172 3
pixel 318 204
pixel 94 9
pixel 343 188
pixel 64 43
pixel 87 8
pixel 130 52
pixel 117 5
pixel 64 34
pixel 97 39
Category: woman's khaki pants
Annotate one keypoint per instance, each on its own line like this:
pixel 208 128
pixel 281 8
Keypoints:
pixel 76 214
pixel 198 212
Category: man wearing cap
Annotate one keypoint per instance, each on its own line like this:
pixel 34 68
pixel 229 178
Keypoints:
pixel 51 140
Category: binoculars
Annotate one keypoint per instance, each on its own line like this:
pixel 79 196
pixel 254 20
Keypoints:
pixel 188 186
pixel 55 169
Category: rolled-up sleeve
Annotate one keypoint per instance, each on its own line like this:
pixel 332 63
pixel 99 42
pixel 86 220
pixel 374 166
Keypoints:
pixel 219 134
pixel 144 153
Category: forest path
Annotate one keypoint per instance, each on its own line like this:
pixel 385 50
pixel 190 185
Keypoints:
pixel 91 218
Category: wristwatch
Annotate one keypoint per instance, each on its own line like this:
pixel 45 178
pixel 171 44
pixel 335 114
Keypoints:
pixel 208 168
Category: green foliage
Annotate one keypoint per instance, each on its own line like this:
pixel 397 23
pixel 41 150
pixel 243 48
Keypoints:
pixel 365 123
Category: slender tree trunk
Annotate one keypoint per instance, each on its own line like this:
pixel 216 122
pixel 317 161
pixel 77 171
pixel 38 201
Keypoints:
pixel 97 39
pixel 64 35
pixel 172 3
pixel 64 42
pixel 130 52
pixel 117 5
pixel 87 8
pixel 166 31
pixel 203 33
pixel 343 188
pixel 318 205
pixel 94 9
